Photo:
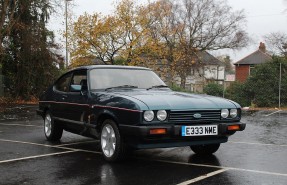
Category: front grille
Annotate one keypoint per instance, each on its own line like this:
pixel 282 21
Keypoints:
pixel 188 116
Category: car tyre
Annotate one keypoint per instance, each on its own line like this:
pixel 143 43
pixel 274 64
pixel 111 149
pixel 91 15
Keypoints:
pixel 112 145
pixel 52 130
pixel 205 149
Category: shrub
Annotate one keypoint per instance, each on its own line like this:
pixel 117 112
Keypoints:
pixel 213 89
pixel 238 93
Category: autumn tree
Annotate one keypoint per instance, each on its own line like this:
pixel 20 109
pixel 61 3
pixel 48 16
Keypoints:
pixel 167 33
pixel 96 36
pixel 186 27
pixel 132 21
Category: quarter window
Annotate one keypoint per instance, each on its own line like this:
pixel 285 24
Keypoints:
pixel 63 83
pixel 77 79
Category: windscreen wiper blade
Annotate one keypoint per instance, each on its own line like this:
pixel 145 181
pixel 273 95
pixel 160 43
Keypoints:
pixel 157 86
pixel 121 86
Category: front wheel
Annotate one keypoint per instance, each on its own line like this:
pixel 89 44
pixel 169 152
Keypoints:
pixel 205 149
pixel 53 131
pixel 112 145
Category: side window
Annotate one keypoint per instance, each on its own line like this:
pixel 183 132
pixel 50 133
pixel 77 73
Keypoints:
pixel 78 78
pixel 63 83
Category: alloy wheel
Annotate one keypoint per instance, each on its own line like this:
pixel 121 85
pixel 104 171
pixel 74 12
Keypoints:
pixel 48 125
pixel 108 140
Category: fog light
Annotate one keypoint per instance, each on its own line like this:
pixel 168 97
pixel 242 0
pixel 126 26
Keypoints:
pixel 233 127
pixel 157 131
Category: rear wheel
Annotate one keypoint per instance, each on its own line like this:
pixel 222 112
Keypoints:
pixel 53 131
pixel 205 149
pixel 112 145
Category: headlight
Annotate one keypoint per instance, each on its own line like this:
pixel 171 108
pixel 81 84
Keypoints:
pixel 224 113
pixel 161 115
pixel 148 115
pixel 233 113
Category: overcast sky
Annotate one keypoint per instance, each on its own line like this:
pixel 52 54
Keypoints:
pixel 263 17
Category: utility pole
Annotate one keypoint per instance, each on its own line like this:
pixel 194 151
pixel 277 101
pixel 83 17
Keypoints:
pixel 66 17
pixel 280 79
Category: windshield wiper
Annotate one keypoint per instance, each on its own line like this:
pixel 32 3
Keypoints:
pixel 157 86
pixel 121 86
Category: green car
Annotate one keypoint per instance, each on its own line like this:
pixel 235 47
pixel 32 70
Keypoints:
pixel 132 108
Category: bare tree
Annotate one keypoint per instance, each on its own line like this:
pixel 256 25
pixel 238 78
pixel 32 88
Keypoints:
pixel 206 25
pixel 212 25
pixel 277 42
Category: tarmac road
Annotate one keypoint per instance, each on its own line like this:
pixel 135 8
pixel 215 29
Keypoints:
pixel 254 156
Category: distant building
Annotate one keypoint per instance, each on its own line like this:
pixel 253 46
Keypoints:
pixel 244 67
pixel 210 70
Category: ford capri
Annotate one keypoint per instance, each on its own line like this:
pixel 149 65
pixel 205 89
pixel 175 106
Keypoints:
pixel 129 108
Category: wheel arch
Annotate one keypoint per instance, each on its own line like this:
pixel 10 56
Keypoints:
pixel 104 115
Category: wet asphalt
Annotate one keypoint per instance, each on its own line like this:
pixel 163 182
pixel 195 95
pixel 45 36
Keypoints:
pixel 257 155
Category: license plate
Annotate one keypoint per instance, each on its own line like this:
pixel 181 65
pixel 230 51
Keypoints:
pixel 204 130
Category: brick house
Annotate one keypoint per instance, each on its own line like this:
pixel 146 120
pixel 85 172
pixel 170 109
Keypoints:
pixel 243 67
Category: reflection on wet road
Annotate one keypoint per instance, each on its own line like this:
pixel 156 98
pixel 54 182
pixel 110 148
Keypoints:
pixel 255 156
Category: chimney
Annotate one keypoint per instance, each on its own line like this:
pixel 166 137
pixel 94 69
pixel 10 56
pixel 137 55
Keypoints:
pixel 262 47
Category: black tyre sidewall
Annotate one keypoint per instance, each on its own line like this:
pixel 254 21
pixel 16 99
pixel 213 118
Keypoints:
pixel 205 149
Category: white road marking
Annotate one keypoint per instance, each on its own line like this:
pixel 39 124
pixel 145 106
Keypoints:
pixel 258 171
pixel 7 124
pixel 37 144
pixel 34 157
pixel 273 113
pixel 51 146
pixel 262 144
pixel 81 142
pixel 202 177
pixel 156 160
pixel 221 167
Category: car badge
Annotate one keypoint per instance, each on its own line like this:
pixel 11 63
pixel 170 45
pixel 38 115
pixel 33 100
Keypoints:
pixel 197 115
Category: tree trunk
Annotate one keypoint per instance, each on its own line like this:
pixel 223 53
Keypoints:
pixel 182 81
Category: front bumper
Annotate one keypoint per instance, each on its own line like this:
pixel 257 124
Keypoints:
pixel 140 137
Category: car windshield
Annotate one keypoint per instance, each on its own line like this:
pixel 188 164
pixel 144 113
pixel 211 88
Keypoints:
pixel 123 78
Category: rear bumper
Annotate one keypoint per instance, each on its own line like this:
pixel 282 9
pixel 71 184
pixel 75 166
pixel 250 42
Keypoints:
pixel 140 137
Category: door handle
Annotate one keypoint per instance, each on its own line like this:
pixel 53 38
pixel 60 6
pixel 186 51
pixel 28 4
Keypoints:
pixel 64 97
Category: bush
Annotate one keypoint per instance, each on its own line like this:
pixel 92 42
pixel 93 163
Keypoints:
pixel 263 85
pixel 238 93
pixel 213 89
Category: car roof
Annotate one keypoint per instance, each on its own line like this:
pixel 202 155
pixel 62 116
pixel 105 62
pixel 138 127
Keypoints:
pixel 109 67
